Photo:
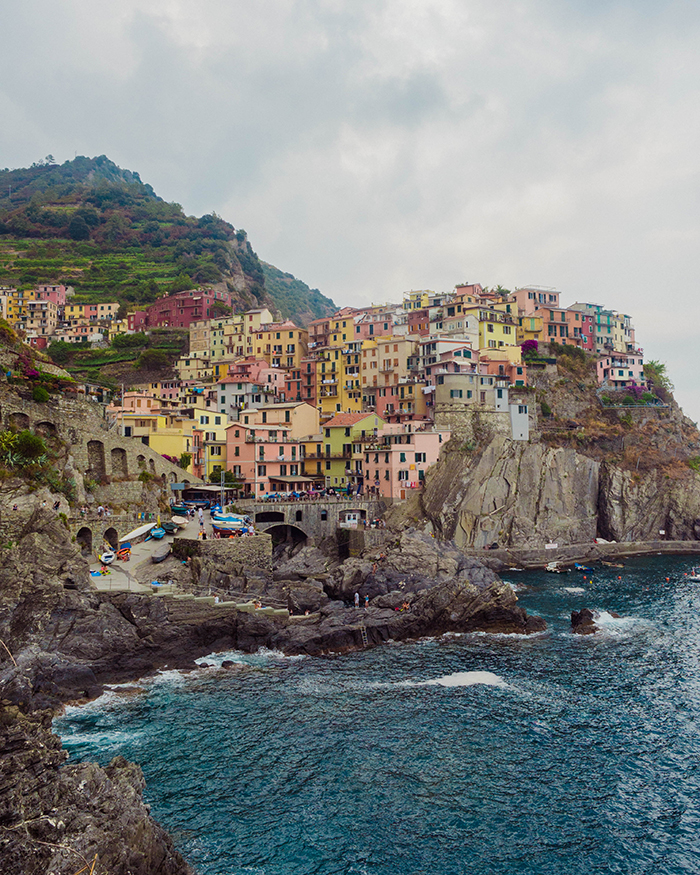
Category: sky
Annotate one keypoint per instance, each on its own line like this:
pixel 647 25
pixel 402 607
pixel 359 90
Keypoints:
pixel 371 148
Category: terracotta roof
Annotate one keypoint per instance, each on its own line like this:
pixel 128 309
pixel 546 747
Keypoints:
pixel 346 419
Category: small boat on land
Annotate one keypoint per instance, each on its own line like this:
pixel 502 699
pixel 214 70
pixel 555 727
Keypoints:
pixel 158 533
pixel 169 528
pixel 179 509
pixel 160 553
pixel 556 568
pixel 180 521
pixel 107 557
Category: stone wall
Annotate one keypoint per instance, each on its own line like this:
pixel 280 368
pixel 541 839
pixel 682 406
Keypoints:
pixel 97 451
pixel 249 550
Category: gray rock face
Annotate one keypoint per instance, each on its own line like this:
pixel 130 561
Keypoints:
pixel 56 818
pixel 526 495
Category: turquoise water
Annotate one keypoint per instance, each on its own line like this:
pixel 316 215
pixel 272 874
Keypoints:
pixel 575 755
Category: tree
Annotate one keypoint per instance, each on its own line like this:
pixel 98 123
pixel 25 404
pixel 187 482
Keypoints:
pixel 229 479
pixel 185 459
pixel 78 229
pixel 656 373
pixel 153 360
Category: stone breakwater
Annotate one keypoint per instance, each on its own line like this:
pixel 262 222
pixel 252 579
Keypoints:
pixel 63 641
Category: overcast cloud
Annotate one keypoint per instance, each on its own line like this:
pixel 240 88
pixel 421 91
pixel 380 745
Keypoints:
pixel 375 147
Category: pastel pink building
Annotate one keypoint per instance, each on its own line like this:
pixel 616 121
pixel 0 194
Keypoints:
pixel 57 294
pixel 620 369
pixel 265 459
pixel 396 461
pixel 532 300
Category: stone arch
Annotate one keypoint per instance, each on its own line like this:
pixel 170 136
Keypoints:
pixel 141 461
pixel 19 421
pixel 46 429
pixel 96 458
pixel 269 516
pixel 120 467
pixel 298 516
pixel 282 534
pixel 84 539
pixel 173 477
pixel 152 466
pixel 112 538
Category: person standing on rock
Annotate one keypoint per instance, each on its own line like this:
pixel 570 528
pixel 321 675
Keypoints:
pixel 357 599
pixel 366 602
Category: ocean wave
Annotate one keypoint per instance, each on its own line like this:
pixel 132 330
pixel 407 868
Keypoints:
pixel 573 589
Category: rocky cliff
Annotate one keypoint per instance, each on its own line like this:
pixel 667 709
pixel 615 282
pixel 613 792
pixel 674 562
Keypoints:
pixel 622 475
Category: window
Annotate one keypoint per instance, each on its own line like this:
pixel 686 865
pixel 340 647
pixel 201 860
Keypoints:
pixel 283 470
pixel 287 415
pixel 403 475
pixel 324 515
pixel 236 451
pixel 455 393
pixel 328 466
pixel 262 470
pixel 420 457
pixel 217 420
pixel 264 415
pixel 402 457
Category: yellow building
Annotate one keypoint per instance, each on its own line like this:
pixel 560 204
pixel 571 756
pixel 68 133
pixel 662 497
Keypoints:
pixel 416 300
pixel 17 310
pixel 281 344
pixel 338 380
pixel 530 328
pixel 190 367
pixel 497 327
pixel 336 454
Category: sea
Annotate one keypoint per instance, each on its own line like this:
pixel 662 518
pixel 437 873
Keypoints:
pixel 473 753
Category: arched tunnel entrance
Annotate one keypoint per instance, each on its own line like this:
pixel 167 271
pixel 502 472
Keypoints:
pixel 289 535
pixel 84 538
pixel 112 538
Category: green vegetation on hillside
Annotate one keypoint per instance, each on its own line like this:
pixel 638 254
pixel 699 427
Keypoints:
pixel 89 224
pixel 294 298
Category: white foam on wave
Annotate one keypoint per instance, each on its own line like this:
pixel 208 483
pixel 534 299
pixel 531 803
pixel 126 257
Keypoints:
pixel 574 589
pixel 260 657
pixel 467 679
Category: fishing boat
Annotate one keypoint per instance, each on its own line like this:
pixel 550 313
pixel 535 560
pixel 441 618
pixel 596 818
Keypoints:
pixel 608 564
pixel 228 526
pixel 157 533
pixel 107 557
pixel 169 528
pixel 579 567
pixel 180 521
pixel 160 553
pixel 556 568
pixel 180 509
pixel 694 574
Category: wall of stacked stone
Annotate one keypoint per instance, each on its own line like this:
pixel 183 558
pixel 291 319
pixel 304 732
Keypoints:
pixel 480 423
pixel 249 550
pixel 98 451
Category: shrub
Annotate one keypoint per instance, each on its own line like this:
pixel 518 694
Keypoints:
pixel 546 409
pixel 29 445
pixel 40 394
pixel 145 477
pixel 184 461
pixel 153 360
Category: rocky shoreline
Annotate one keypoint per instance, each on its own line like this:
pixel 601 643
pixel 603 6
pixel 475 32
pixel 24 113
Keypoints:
pixel 63 641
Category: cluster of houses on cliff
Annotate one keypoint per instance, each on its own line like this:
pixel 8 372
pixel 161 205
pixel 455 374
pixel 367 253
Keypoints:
pixel 360 400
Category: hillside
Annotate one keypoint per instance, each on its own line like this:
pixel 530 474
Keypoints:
pixel 90 224
pixel 292 296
